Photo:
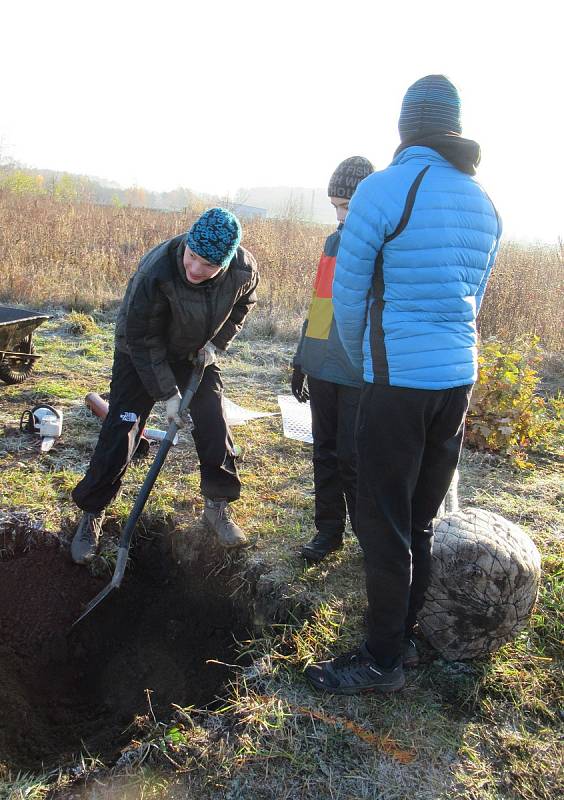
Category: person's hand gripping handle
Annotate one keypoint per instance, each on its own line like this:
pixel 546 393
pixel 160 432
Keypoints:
pixel 177 405
pixel 173 410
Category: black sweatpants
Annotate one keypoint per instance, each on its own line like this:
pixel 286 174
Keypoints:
pixel 333 415
pixel 408 446
pixel 130 406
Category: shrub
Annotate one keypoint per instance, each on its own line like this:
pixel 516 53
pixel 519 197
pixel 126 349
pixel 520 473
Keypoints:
pixel 507 414
pixel 79 324
pixel 21 182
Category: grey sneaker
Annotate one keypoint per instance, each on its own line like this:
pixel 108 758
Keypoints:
pixel 217 517
pixel 86 538
pixel 353 673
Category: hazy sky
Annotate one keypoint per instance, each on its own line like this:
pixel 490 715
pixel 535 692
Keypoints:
pixel 226 94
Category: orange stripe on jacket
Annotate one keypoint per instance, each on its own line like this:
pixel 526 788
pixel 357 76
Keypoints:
pixel 323 286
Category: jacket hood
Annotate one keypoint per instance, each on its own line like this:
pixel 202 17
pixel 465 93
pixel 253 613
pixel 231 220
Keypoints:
pixel 464 154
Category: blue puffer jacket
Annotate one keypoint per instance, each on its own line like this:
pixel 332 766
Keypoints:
pixel 406 296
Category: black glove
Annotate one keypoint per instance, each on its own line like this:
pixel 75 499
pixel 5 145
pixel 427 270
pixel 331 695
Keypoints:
pixel 299 389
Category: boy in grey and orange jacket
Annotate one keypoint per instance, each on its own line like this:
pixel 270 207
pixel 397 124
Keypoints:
pixel 333 384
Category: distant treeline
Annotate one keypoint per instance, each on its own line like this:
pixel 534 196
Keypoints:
pixel 300 203
pixel 70 188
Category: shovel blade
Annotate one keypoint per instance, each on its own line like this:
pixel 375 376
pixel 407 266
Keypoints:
pixel 115 583
pixel 93 603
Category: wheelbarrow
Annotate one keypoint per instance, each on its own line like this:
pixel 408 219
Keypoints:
pixel 17 356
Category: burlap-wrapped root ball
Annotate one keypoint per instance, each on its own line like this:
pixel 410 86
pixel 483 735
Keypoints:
pixel 484 584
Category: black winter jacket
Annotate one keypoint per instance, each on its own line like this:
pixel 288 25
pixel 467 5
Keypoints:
pixel 164 319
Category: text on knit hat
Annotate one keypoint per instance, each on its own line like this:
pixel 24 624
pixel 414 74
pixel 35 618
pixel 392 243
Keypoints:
pixel 348 175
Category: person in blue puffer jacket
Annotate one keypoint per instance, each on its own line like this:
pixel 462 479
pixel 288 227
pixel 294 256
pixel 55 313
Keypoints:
pixel 416 252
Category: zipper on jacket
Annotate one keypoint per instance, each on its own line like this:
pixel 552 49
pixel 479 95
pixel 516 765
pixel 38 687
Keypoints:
pixel 209 329
pixel 375 311
pixel 408 207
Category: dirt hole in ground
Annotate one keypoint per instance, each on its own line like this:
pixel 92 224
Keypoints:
pixel 62 694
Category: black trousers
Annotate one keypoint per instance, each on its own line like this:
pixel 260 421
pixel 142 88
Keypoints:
pixel 408 446
pixel 130 406
pixel 333 415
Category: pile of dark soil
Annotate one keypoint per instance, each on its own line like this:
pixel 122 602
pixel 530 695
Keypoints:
pixel 66 691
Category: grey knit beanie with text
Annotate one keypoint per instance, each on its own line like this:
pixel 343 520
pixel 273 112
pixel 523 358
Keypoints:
pixel 348 175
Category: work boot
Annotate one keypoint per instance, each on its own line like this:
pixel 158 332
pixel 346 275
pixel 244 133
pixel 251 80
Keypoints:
pixel 410 656
pixel 321 545
pixel 217 517
pixel 86 538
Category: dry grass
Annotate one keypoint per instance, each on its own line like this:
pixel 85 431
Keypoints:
pixel 525 294
pixel 79 256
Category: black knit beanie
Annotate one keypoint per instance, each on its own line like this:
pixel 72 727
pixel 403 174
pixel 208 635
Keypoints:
pixel 348 175
pixel 430 105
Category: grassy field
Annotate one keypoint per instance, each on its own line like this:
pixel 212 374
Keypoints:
pixel 482 730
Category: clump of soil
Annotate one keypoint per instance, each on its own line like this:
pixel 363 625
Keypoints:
pixel 66 691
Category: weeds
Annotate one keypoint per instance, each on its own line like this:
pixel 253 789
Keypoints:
pixel 79 324
pixel 524 294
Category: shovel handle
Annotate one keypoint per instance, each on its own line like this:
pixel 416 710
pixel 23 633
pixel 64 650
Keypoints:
pixel 203 360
